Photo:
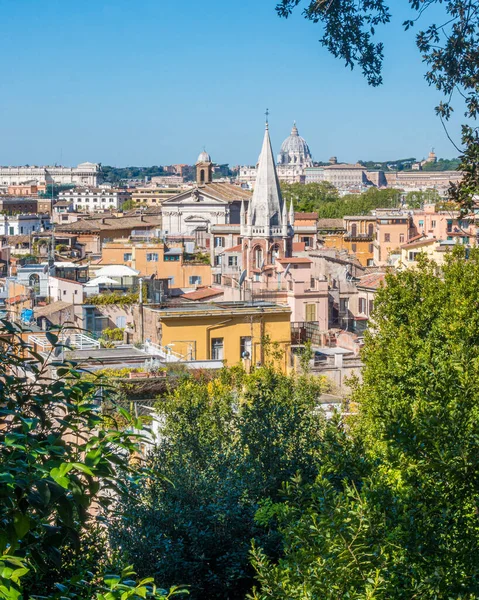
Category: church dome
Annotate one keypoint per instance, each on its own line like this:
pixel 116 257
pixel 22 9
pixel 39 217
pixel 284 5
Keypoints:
pixel 204 157
pixel 295 150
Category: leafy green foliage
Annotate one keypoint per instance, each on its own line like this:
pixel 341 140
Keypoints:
pixel 418 199
pixel 226 445
pixel 448 46
pixel 59 462
pixel 119 298
pixel 116 174
pixel 323 199
pixel 394 512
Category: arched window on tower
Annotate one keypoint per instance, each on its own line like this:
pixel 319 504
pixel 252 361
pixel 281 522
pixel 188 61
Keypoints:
pixel 258 257
pixel 202 176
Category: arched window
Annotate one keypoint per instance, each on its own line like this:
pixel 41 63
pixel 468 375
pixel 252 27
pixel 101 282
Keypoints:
pixel 371 229
pixel 274 253
pixel 354 230
pixel 202 176
pixel 258 257
pixel 34 282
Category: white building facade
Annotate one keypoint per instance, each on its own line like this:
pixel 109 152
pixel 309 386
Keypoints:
pixel 86 173
pixel 23 224
pixel 91 200
pixel 293 158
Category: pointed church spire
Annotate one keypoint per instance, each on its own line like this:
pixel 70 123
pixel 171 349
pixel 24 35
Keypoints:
pixel 291 213
pixel 266 205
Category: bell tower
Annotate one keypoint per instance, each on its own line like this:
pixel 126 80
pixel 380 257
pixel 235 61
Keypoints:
pixel 204 169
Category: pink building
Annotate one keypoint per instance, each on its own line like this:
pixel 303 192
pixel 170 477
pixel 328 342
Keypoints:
pixel 393 229
pixel 443 225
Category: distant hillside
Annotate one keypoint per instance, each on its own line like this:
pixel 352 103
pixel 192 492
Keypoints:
pixel 115 174
pixel 405 164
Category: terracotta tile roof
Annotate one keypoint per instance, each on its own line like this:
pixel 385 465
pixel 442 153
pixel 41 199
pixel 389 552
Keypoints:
pixel 419 242
pixel 227 191
pixel 372 281
pixel 67 280
pixel 295 260
pixel 234 248
pixel 110 224
pixel 51 309
pixel 15 299
pixel 299 247
pixel 303 216
pixel 330 224
pixel 202 294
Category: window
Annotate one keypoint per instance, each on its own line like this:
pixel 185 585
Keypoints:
pixel 195 280
pixel 218 260
pixel 245 347
pixel 170 257
pixel 449 226
pixel 312 284
pixel 76 292
pixel 64 217
pixel 217 349
pixel 354 230
pixel 371 247
pixel 413 256
pixel 371 306
pixel 354 247
pixel 258 257
pixel 362 305
pixel 371 229
pixel 127 256
pixel 310 312
pixel 120 322
pixel 232 261
pixel 421 223
pixel 401 238
pixel 370 262
pixel 387 237
pixel 152 257
pixel 21 229
pixel 64 292
pixel 343 305
pixel 171 281
pixel 433 224
pixel 217 278
pixel 11 230
pixel 219 242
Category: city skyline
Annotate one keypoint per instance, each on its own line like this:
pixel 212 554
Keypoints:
pixel 146 85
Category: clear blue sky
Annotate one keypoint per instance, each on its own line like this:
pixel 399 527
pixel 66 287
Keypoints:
pixel 153 81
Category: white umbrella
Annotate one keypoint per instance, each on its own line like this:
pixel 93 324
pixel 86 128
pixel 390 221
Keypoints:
pixel 101 280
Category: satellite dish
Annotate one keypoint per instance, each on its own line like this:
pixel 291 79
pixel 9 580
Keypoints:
pixel 242 278
pixel 286 271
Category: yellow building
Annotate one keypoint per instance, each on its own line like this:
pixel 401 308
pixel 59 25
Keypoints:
pixel 153 196
pixel 227 331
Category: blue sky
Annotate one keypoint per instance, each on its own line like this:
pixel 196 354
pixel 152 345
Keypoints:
pixel 153 81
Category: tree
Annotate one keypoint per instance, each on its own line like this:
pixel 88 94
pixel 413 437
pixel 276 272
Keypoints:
pixel 418 199
pixel 448 46
pixel 60 461
pixel 128 205
pixel 309 197
pixel 400 519
pixel 225 445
